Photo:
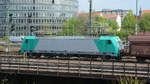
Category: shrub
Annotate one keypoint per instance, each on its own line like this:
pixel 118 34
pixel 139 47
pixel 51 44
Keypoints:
pixel 131 80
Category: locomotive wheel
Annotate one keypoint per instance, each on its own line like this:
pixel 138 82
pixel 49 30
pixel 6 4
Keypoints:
pixel 29 55
pixel 108 57
pixel 118 58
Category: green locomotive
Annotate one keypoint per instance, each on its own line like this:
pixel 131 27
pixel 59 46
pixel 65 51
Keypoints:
pixel 107 46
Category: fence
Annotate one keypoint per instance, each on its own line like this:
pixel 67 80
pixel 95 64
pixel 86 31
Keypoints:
pixel 74 68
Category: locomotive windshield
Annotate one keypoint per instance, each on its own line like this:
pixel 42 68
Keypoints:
pixel 120 44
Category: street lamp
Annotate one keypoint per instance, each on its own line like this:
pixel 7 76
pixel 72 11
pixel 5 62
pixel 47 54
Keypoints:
pixel 136 26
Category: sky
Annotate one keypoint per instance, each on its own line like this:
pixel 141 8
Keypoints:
pixel 113 4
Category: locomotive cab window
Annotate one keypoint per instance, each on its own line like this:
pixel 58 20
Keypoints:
pixel 27 41
pixel 109 41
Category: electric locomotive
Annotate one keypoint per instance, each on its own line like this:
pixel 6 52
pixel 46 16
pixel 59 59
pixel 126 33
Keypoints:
pixel 105 46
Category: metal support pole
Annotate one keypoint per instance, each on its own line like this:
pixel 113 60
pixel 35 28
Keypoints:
pixel 73 30
pixel 68 30
pixel 37 69
pixel 18 67
pixel 102 64
pixel 79 66
pixel 148 71
pixel 68 63
pixel 7 23
pixel 113 67
pixel 58 66
pixel 29 22
pixel 136 26
pixel 124 69
pixel 104 28
pixel 90 17
pixel 135 69
pixel 91 65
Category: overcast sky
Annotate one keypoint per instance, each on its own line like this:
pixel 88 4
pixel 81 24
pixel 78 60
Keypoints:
pixel 113 4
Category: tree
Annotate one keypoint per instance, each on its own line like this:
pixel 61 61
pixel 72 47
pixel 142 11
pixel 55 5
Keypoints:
pixel 113 24
pixel 109 26
pixel 129 22
pixel 80 26
pixel 144 23
pixel 72 27
pixel 5 38
pixel 128 26
pixel 99 25
pixel 122 34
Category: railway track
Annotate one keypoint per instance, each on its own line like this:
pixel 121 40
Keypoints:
pixel 18 55
pixel 75 66
pixel 77 59
pixel 124 59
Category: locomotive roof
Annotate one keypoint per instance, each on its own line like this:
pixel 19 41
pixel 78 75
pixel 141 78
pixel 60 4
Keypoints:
pixel 74 37
pixel 68 37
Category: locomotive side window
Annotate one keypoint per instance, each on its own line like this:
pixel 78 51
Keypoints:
pixel 109 41
pixel 27 41
pixel 53 1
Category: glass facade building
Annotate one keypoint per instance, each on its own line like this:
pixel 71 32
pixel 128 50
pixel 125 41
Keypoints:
pixel 43 16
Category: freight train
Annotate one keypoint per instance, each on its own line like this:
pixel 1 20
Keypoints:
pixel 104 46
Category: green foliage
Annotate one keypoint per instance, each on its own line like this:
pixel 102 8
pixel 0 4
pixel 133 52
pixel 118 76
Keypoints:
pixel 100 19
pixel 107 26
pixel 122 34
pixel 79 26
pixel 128 26
pixel 129 22
pixel 1 48
pixel 5 38
pixel 145 22
pixel 99 23
pixel 131 80
pixel 72 27
pixel 113 24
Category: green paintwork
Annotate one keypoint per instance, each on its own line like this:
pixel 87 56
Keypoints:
pixel 105 47
pixel 105 44
pixel 29 43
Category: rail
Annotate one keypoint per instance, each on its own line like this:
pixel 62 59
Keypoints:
pixel 74 68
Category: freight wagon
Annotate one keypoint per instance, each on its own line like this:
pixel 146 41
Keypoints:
pixel 107 46
pixel 140 47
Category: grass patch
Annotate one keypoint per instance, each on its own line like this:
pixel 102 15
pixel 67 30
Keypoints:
pixel 131 80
